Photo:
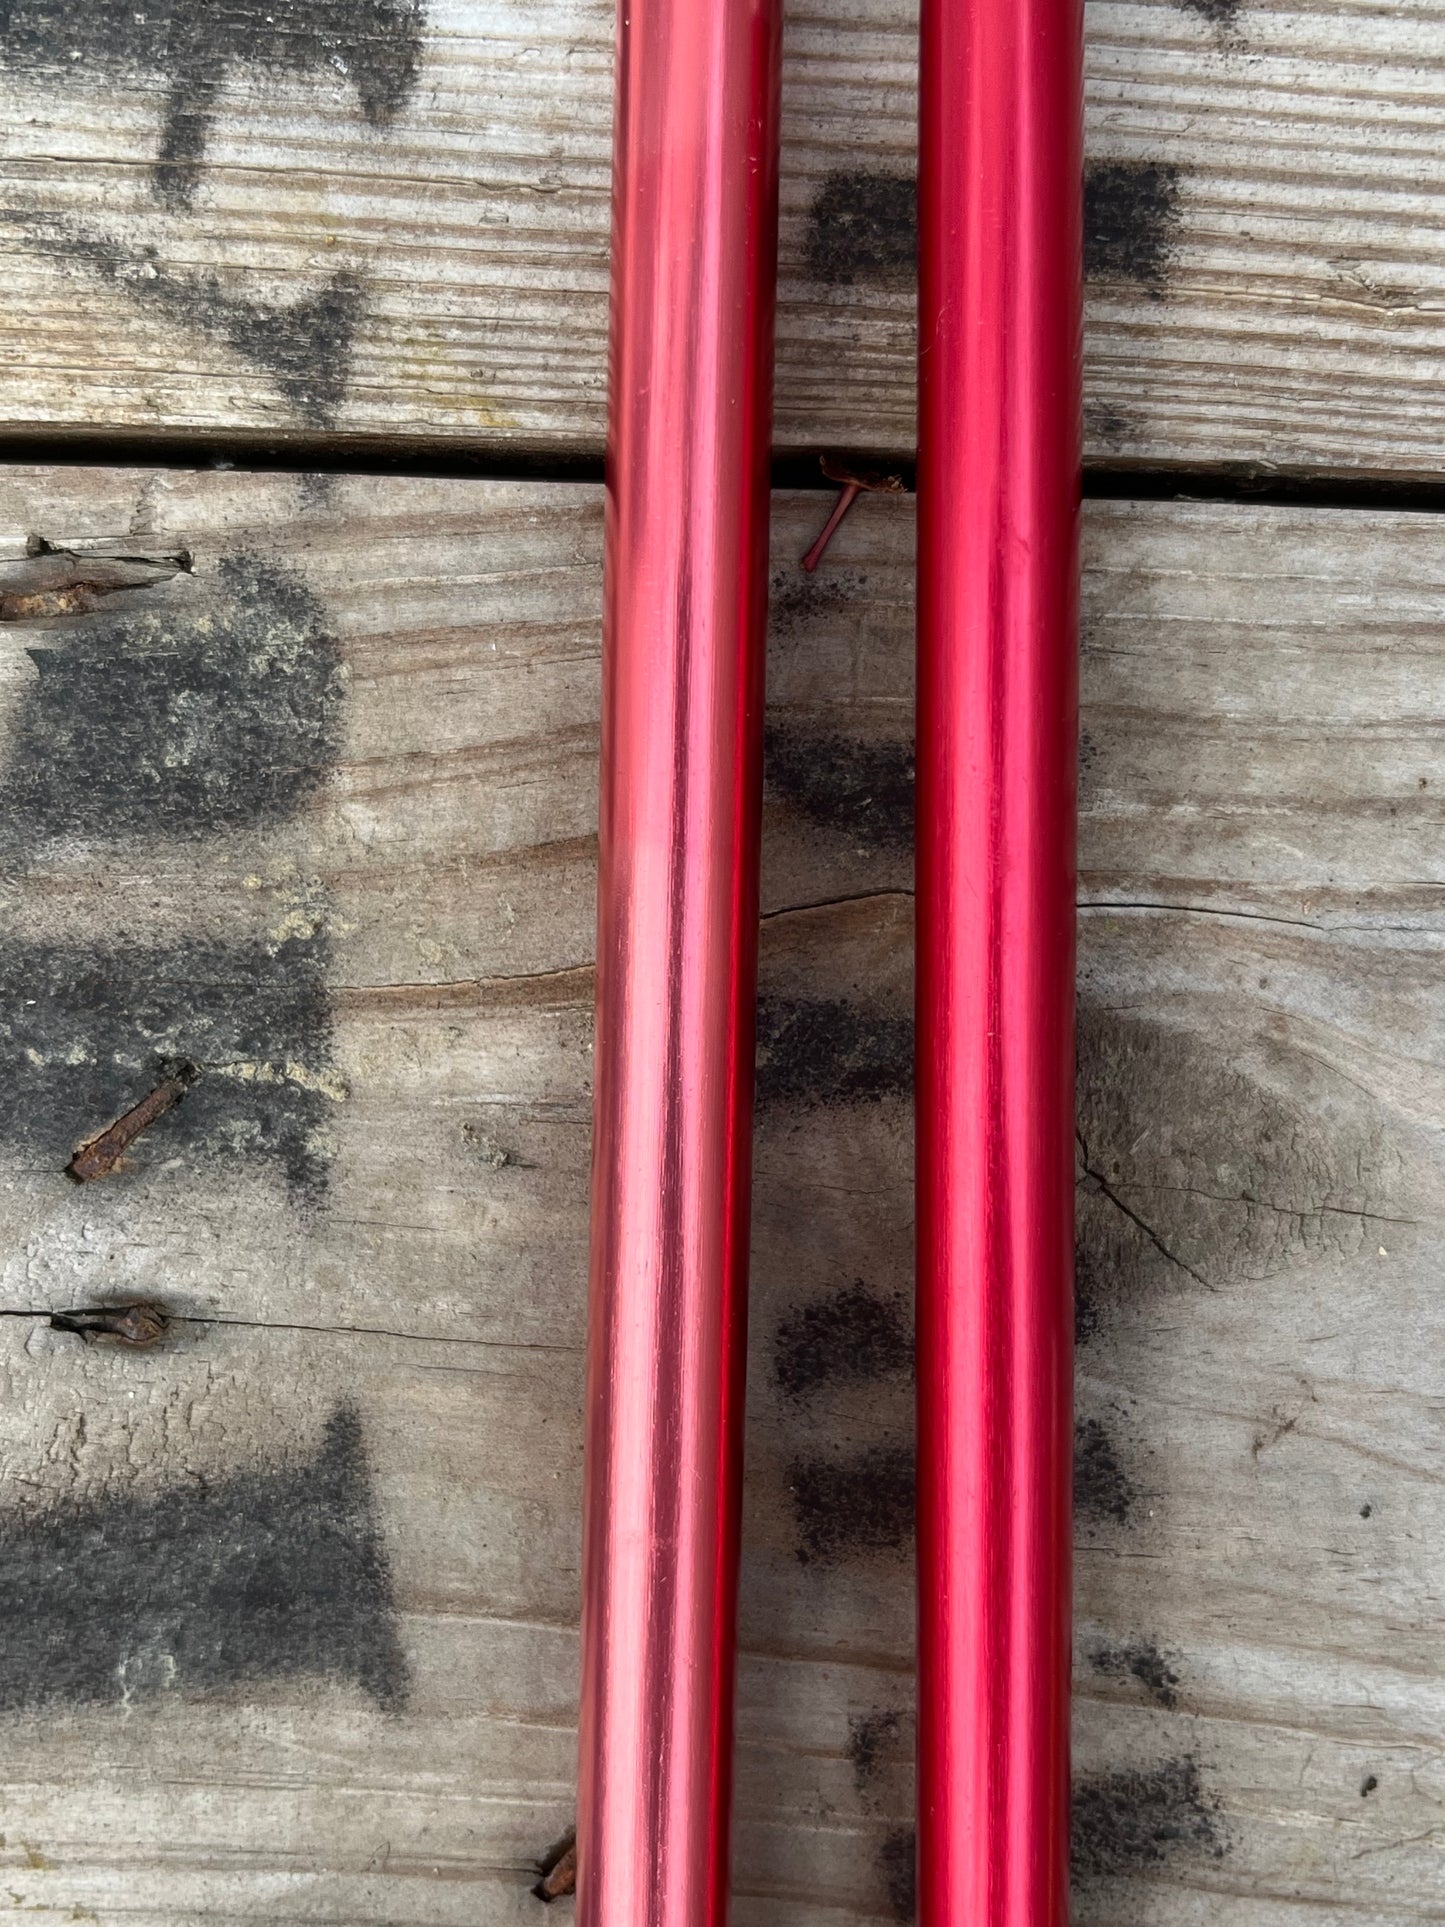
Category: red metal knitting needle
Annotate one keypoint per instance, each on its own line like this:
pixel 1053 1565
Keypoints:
pixel 998 492
pixel 693 271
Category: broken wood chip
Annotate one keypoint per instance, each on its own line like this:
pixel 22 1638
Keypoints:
pixel 559 1870
pixel 99 1156
pixel 54 581
pixel 135 1326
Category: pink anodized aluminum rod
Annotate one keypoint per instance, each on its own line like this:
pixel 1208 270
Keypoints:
pixel 998 492
pixel 693 272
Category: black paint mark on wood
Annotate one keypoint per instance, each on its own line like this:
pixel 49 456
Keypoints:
pixel 1195 1172
pixel 898 1864
pixel 853 1334
pixel 82 1027
pixel 844 1507
pixel 863 226
pixel 1102 1488
pixel 1132 1822
pixel 1368 1785
pixel 862 790
pixel 268 1574
pixel 304 345
pixel 797 602
pixel 872 1741
pixel 1142 1661
pixel 1131 222
pixel 1106 422
pixel 814 1051
pixel 1219 13
pixel 191 49
pixel 222 713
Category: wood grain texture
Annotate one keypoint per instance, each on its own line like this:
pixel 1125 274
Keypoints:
pixel 430 261
pixel 295 1589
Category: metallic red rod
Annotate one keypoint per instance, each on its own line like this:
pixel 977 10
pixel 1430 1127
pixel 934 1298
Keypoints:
pixel 694 241
pixel 1000 271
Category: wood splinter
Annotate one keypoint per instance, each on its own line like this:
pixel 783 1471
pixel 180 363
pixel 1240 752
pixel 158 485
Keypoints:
pixel 99 1156
pixel 855 482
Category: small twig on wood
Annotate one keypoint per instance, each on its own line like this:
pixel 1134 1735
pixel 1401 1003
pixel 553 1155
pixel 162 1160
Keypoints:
pixel 99 1156
pixel 854 482
pixel 559 1869
pixel 135 1326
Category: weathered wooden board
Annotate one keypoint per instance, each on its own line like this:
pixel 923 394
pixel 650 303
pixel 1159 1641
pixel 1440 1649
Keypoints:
pixel 388 218
pixel 290 1598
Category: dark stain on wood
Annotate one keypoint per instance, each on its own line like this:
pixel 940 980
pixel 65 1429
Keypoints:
pixel 797 602
pixel 851 1334
pixel 222 713
pixel 189 50
pixel 276 1573
pixel 1220 13
pixel 815 1051
pixel 1195 1173
pixel 1135 1821
pixel 863 226
pixel 873 1740
pixel 1131 222
pixel 83 1026
pixel 103 1154
pixel 898 1864
pixel 134 1327
pixel 1142 1661
pixel 862 1504
pixel 304 345
pixel 862 790
pixel 1102 1487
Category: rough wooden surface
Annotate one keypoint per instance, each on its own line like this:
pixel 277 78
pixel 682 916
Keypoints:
pixel 383 218
pixel 290 1595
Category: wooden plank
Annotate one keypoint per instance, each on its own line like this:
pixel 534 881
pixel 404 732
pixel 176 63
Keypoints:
pixel 290 1595
pixel 391 222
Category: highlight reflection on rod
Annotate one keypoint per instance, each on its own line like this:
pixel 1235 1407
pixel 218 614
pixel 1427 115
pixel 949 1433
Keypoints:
pixel 694 246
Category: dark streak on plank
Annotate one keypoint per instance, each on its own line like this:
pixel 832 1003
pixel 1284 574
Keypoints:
pixel 193 51
pixel 815 1051
pixel 305 345
pixel 863 790
pixel 272 1573
pixel 863 226
pixel 217 710
pixel 850 1506
pixel 1131 222
pixel 1141 1819
pixel 851 1334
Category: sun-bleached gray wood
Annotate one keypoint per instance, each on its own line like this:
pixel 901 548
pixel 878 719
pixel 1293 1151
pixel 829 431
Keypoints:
pixel 1258 1728
pixel 1266 284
